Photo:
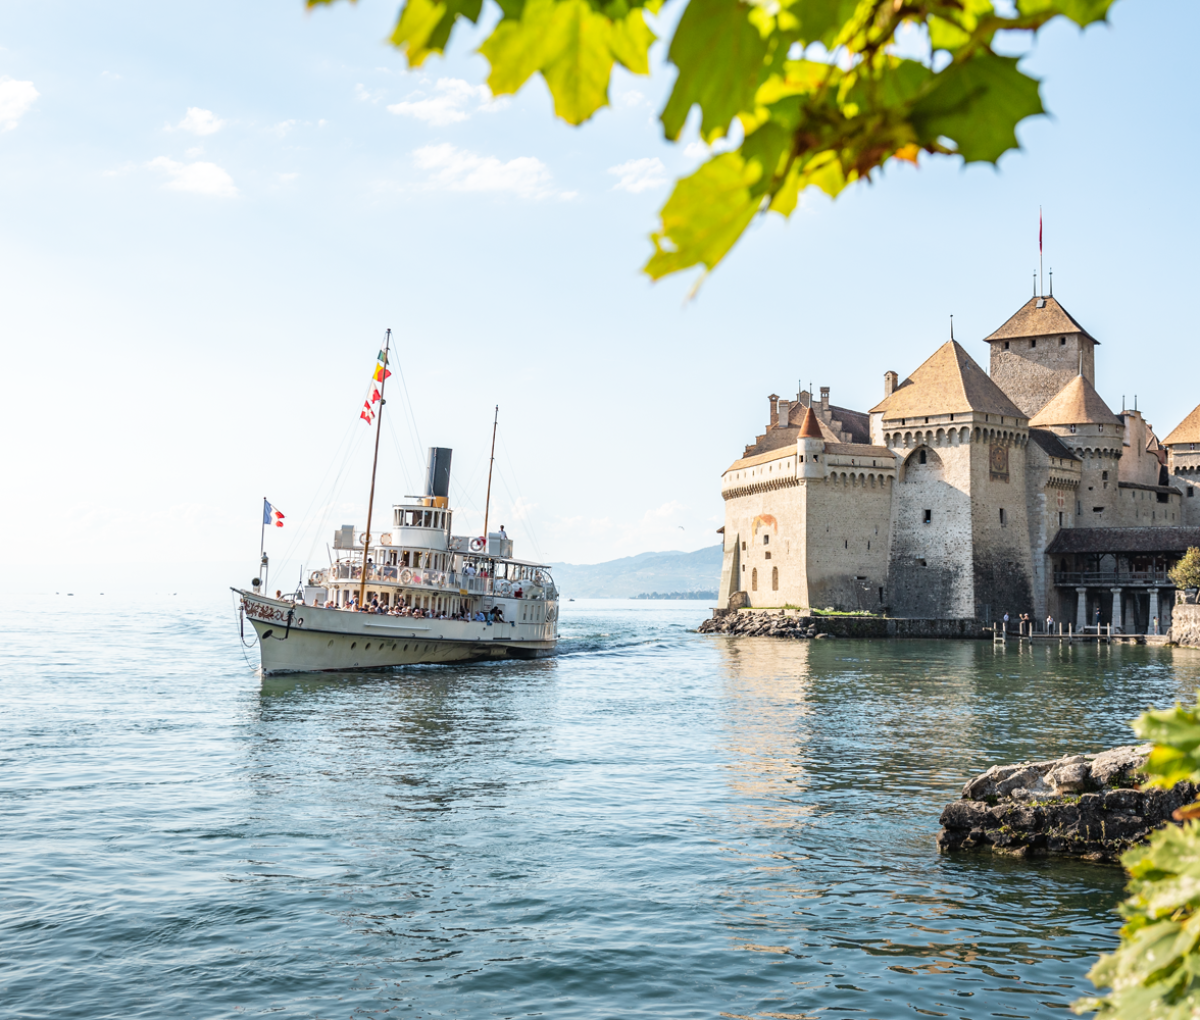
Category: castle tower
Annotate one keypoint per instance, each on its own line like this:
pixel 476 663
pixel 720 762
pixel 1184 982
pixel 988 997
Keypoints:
pixel 810 444
pixel 1085 424
pixel 1183 465
pixel 959 537
pixel 1037 352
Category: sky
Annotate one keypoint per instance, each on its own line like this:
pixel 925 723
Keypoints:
pixel 211 212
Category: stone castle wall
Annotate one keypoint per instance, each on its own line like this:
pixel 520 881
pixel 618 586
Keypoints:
pixel 1031 376
pixel 930 562
pixel 1002 565
pixel 847 541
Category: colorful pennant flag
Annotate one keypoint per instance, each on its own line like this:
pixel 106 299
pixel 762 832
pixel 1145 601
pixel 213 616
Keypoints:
pixel 374 390
pixel 271 515
pixel 381 373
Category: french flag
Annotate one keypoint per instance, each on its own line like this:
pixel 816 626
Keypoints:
pixel 271 515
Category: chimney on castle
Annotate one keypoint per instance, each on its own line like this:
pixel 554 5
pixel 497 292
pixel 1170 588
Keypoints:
pixel 785 412
pixel 824 398
pixel 774 419
pixel 890 381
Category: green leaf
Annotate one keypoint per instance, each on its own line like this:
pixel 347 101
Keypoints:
pixel 978 103
pixel 424 26
pixel 720 57
pixel 573 46
pixel 705 215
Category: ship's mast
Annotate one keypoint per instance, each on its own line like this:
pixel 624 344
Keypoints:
pixel 488 502
pixel 362 588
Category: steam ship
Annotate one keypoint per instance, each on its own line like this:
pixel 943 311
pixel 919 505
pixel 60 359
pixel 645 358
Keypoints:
pixel 416 593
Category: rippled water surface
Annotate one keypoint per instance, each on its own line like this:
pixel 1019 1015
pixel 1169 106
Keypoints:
pixel 654 823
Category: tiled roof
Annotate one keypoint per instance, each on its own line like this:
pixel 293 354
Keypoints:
pixel 1032 320
pixel 810 428
pixel 1187 431
pixel 762 458
pixel 1054 446
pixel 1123 540
pixel 860 450
pixel 949 382
pixel 1077 403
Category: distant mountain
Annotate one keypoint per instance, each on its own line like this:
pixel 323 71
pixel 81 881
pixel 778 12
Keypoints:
pixel 631 576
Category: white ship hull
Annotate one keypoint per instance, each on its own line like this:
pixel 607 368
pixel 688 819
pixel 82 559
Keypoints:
pixel 316 639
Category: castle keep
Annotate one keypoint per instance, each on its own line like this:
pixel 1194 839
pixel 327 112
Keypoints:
pixel 968 494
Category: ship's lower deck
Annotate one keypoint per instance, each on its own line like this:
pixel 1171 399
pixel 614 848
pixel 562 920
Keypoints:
pixel 316 639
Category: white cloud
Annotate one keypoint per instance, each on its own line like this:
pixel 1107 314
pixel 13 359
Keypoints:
pixel 631 98
pixel 16 97
pixel 200 122
pixel 196 150
pixel 453 100
pixel 365 95
pixel 286 178
pixel 200 178
pixel 283 127
pixel 639 174
pixel 460 170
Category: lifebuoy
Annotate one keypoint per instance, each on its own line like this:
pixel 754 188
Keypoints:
pixel 385 539
pixel 362 539
pixel 504 587
pixel 477 544
pixel 316 577
pixel 406 576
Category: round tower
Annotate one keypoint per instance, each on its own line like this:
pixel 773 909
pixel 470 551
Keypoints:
pixel 810 447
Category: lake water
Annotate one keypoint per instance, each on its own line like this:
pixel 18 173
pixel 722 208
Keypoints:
pixel 654 823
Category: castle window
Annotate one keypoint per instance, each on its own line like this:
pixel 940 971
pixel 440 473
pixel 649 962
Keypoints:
pixel 774 579
pixel 1097 509
pixel 1003 519
pixel 846 543
pixel 743 547
pixel 754 579
pixel 922 563
pixel 928 516
pixel 880 594
pixel 1062 341
pixel 1072 428
pixel 766 539
pixel 1191 493
pixel 1032 343
pixel 921 457
pixel 768 555
pixel 1060 518
pixel 1104 475
pixel 1006 345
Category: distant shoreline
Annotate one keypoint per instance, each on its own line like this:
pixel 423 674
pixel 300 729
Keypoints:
pixel 710 596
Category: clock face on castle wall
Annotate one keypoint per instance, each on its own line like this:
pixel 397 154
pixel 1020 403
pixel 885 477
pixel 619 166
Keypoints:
pixel 998 462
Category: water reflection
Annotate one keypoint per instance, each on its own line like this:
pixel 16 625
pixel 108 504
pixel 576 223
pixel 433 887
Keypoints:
pixel 840 756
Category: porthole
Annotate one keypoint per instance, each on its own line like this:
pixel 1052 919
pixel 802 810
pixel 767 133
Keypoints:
pixel 367 647
pixel 406 648
pixel 393 646
pixel 330 645
pixel 353 645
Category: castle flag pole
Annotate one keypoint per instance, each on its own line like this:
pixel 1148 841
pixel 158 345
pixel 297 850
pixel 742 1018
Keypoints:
pixel 1041 283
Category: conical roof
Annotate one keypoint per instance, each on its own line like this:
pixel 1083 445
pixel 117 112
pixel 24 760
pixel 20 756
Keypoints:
pixel 1077 403
pixel 949 382
pixel 810 428
pixel 1039 316
pixel 1187 431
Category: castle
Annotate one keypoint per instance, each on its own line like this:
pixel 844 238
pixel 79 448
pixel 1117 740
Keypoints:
pixel 965 494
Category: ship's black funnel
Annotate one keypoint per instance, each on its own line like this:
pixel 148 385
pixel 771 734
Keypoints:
pixel 437 477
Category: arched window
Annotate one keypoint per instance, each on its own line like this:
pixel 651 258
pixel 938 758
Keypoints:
pixel 921 457
pixel 754 579
pixel 774 579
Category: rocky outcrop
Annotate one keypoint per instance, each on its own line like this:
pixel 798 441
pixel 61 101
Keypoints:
pixel 790 623
pixel 1083 805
